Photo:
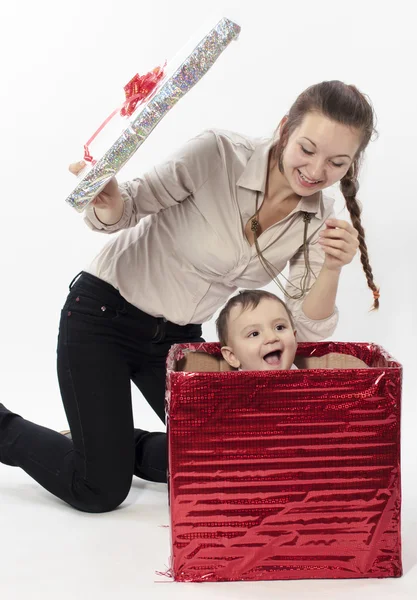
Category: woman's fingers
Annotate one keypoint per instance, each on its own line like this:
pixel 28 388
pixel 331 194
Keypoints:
pixel 338 244
pixel 339 240
pixel 346 241
pixel 341 237
pixel 336 254
pixel 76 167
pixel 337 234
pixel 342 225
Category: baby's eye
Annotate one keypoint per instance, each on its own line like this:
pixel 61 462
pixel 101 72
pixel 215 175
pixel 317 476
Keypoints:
pixel 253 334
pixel 280 327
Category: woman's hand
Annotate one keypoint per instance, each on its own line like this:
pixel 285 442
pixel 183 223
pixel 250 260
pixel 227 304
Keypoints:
pixel 340 242
pixel 108 205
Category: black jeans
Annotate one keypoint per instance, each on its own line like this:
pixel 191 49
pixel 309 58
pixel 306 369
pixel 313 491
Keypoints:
pixel 104 343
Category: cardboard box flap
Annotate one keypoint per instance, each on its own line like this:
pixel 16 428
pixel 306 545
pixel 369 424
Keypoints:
pixel 195 362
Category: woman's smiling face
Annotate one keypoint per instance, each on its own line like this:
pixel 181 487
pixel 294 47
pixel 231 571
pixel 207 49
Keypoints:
pixel 318 154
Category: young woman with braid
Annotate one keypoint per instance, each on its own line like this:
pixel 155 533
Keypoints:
pixel 224 212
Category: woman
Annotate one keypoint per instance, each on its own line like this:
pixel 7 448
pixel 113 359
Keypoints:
pixel 225 212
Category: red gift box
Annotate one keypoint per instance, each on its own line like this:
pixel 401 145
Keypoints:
pixel 284 474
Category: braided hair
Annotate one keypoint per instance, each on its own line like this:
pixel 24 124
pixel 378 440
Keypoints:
pixel 346 105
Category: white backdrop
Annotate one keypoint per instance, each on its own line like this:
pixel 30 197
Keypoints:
pixel 63 70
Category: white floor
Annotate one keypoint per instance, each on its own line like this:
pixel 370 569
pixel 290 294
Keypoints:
pixel 50 551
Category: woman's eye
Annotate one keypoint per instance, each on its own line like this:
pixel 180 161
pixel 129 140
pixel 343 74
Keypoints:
pixel 306 151
pixel 337 164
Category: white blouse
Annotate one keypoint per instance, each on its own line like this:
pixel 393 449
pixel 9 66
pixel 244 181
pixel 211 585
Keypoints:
pixel 182 249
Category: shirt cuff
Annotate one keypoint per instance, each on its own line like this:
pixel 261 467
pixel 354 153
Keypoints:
pixel 95 224
pixel 315 330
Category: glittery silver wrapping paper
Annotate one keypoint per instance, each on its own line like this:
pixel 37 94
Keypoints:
pixel 138 129
pixel 285 474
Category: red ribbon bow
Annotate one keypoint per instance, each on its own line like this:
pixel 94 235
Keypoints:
pixel 137 90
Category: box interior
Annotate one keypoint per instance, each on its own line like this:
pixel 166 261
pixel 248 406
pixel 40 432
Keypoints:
pixel 202 362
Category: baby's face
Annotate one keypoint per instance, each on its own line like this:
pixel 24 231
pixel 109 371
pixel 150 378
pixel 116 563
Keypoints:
pixel 261 338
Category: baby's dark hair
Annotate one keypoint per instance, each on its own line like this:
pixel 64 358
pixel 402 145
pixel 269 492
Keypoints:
pixel 246 299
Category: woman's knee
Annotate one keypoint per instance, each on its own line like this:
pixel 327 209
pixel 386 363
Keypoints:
pixel 102 499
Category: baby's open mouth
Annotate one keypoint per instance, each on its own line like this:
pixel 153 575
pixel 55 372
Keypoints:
pixel 273 358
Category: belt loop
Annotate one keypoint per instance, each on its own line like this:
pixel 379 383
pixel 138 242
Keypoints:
pixel 160 330
pixel 123 309
pixel 73 281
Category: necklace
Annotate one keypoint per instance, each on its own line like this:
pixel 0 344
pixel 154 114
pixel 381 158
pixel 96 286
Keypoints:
pixel 269 267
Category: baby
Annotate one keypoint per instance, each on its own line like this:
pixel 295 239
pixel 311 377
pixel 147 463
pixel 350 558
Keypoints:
pixel 256 332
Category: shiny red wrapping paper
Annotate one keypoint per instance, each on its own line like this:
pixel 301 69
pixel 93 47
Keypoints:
pixel 285 474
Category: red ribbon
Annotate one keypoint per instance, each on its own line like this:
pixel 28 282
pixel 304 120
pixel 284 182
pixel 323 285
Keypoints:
pixel 139 88
pixel 137 91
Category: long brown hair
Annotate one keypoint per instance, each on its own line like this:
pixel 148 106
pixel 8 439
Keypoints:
pixel 346 105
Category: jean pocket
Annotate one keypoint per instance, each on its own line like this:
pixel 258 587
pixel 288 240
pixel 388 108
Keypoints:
pixel 88 306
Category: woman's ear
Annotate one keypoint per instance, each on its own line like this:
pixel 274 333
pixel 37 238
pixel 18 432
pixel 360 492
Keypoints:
pixel 282 123
pixel 230 357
